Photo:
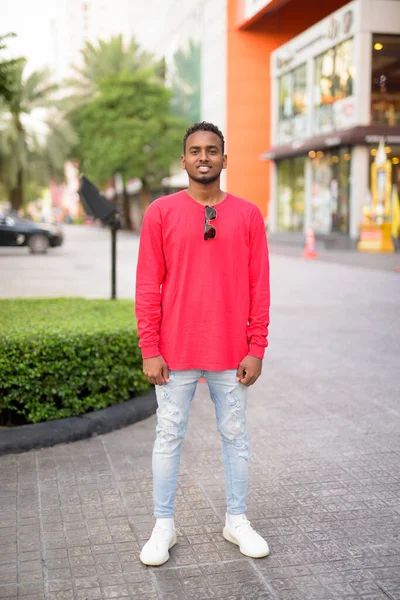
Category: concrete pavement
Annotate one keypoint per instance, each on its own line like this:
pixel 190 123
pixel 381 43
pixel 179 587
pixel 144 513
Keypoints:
pixel 323 421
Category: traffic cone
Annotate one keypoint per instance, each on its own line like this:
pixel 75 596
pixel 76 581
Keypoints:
pixel 309 248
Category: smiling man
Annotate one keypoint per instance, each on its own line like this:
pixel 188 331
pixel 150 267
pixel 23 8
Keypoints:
pixel 202 306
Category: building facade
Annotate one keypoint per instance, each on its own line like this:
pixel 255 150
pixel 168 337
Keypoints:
pixel 335 92
pixel 304 93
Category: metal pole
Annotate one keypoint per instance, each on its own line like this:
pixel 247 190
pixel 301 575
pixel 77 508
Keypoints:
pixel 113 262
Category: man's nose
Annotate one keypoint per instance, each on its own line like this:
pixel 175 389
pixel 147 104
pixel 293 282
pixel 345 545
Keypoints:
pixel 203 155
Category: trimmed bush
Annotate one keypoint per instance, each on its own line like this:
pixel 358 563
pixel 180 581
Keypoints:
pixel 65 357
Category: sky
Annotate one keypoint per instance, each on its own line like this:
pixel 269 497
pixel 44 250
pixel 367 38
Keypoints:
pixel 37 22
pixel 27 19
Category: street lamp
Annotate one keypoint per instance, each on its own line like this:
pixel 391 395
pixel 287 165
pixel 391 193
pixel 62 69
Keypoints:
pixel 95 205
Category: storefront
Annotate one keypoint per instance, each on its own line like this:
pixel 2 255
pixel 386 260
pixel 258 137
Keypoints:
pixel 335 95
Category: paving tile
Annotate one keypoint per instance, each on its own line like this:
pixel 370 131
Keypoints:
pixel 324 482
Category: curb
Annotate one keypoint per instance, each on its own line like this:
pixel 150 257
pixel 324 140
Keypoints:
pixel 14 440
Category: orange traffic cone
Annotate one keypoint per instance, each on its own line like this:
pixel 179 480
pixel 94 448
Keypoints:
pixel 309 249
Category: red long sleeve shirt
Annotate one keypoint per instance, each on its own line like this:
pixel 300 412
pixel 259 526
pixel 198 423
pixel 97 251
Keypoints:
pixel 202 304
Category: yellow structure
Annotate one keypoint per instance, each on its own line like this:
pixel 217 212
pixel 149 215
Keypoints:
pixel 376 228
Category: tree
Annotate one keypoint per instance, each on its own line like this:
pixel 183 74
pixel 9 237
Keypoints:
pixel 128 129
pixel 6 67
pixel 105 59
pixel 29 153
pixel 186 82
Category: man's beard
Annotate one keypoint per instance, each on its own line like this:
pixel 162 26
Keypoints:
pixel 204 179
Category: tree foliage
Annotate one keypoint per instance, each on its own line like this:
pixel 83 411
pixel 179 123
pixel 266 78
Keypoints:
pixel 6 67
pixel 34 138
pixel 185 82
pixel 108 58
pixel 128 129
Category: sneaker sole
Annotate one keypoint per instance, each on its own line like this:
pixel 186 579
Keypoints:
pixel 158 564
pixel 230 538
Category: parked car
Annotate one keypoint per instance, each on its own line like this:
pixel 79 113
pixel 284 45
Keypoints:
pixel 15 231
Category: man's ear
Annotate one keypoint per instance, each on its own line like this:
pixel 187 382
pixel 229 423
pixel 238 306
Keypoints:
pixel 225 161
pixel 183 162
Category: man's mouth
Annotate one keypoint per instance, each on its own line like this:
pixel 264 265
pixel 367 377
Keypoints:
pixel 204 169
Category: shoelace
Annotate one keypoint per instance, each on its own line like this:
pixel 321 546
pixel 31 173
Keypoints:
pixel 163 532
pixel 244 526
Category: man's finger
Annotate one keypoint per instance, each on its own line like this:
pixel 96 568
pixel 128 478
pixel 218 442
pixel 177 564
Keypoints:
pixel 239 373
pixel 165 374
pixel 160 379
pixel 246 379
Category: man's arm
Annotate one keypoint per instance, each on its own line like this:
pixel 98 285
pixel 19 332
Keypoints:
pixel 257 331
pixel 150 275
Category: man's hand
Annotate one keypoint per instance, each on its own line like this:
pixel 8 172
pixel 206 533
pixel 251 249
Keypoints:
pixel 155 370
pixel 249 370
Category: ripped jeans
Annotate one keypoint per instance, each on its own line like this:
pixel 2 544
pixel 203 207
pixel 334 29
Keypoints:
pixel 174 398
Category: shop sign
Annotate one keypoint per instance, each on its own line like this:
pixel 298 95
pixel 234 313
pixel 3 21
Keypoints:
pixel 334 28
pixel 375 139
pixel 344 113
pixel 333 141
pixel 371 234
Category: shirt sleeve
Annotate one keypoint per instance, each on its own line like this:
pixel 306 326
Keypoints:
pixel 257 329
pixel 150 275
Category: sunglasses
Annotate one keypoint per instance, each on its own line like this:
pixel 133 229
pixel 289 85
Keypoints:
pixel 209 230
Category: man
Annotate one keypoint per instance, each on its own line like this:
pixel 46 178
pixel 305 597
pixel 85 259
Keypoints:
pixel 202 306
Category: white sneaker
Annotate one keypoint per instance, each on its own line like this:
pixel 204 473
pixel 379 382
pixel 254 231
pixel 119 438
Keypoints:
pixel 243 535
pixel 155 551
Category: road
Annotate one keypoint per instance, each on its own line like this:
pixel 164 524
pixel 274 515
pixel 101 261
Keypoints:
pixel 80 267
pixel 323 421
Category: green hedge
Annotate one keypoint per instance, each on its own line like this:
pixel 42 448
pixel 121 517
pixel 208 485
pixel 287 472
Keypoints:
pixel 65 357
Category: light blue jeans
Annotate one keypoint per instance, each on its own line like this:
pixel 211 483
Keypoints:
pixel 174 398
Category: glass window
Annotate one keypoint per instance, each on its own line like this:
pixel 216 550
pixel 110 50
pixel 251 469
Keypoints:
pixel 291 194
pixel 285 104
pixel 385 92
pixel 333 88
pixel 300 101
pixel 330 191
pixel 293 104
pixel 285 108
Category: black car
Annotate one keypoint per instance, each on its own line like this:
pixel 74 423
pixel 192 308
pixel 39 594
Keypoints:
pixel 15 231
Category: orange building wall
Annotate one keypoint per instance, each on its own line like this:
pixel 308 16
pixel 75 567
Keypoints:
pixel 248 89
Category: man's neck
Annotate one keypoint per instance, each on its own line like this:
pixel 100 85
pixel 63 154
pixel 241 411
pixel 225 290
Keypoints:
pixel 206 194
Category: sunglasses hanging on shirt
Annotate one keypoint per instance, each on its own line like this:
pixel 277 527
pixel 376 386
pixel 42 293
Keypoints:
pixel 209 230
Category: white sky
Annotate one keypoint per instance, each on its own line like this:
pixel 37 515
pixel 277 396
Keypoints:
pixel 35 23
pixel 31 21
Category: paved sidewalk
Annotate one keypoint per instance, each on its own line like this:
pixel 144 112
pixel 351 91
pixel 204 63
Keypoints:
pixel 369 260
pixel 324 424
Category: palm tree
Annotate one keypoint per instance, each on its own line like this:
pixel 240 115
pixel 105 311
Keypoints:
pixel 105 59
pixel 34 139
pixel 6 67
pixel 100 62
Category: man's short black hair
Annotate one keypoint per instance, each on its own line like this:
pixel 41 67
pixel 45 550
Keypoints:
pixel 203 126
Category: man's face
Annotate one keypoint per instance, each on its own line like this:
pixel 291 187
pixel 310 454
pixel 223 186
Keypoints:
pixel 203 158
